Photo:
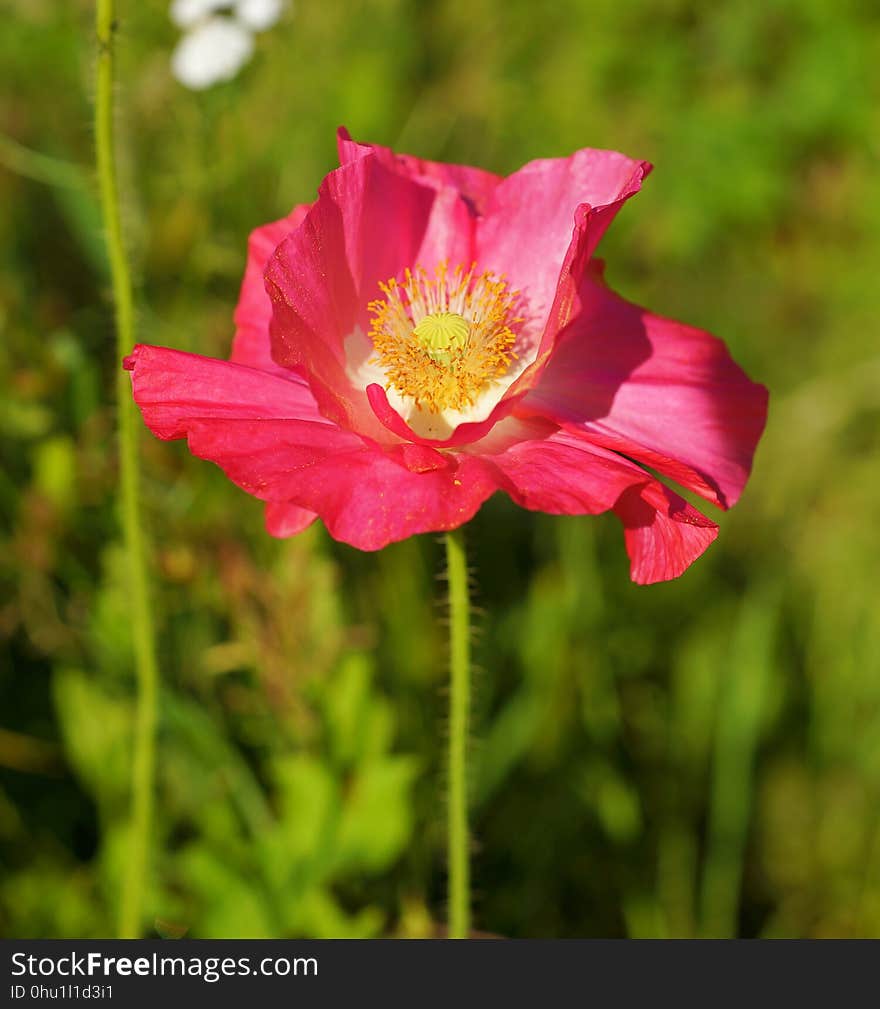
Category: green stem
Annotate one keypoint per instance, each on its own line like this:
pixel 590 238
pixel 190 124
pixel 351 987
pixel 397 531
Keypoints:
pixel 143 764
pixel 459 713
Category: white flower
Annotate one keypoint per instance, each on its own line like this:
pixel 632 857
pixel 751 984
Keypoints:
pixel 186 13
pixel 216 46
pixel 212 51
pixel 259 15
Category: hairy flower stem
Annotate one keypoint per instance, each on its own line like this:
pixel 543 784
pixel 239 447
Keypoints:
pixel 143 765
pixel 459 714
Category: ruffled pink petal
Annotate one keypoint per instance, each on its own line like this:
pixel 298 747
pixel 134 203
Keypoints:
pixel 530 217
pixel 254 310
pixel 374 501
pixel 474 184
pixel 260 428
pixel 173 388
pixel 663 533
pixel 368 224
pixel 267 435
pixel 365 496
pixel 549 470
pixel 283 520
pixel 663 393
pixel 464 434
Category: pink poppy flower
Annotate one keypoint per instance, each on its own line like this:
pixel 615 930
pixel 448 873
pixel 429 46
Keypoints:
pixel 424 335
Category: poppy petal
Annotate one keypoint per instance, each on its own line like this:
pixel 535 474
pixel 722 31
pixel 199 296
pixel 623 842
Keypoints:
pixel 254 310
pixel 549 470
pixel 530 217
pixel 283 519
pixel 663 393
pixel 475 185
pixel 367 225
pixel 173 387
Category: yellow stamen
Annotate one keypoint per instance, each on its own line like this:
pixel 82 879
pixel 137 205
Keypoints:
pixel 441 340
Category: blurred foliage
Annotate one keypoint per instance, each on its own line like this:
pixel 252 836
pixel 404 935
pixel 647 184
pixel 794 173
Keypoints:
pixel 696 758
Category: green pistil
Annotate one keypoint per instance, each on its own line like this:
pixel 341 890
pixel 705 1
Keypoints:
pixel 442 333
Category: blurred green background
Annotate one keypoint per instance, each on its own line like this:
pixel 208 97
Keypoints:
pixel 695 758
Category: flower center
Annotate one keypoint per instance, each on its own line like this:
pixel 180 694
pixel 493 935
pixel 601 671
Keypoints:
pixel 441 340
pixel 442 332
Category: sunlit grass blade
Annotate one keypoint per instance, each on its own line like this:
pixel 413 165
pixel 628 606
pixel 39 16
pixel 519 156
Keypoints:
pixel 741 712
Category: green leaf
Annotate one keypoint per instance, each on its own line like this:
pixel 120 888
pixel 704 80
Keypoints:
pixel 377 815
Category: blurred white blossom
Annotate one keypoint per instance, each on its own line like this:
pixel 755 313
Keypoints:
pixel 218 37
pixel 259 14
pixel 213 50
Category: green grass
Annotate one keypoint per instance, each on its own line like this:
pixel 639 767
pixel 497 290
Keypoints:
pixel 695 758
